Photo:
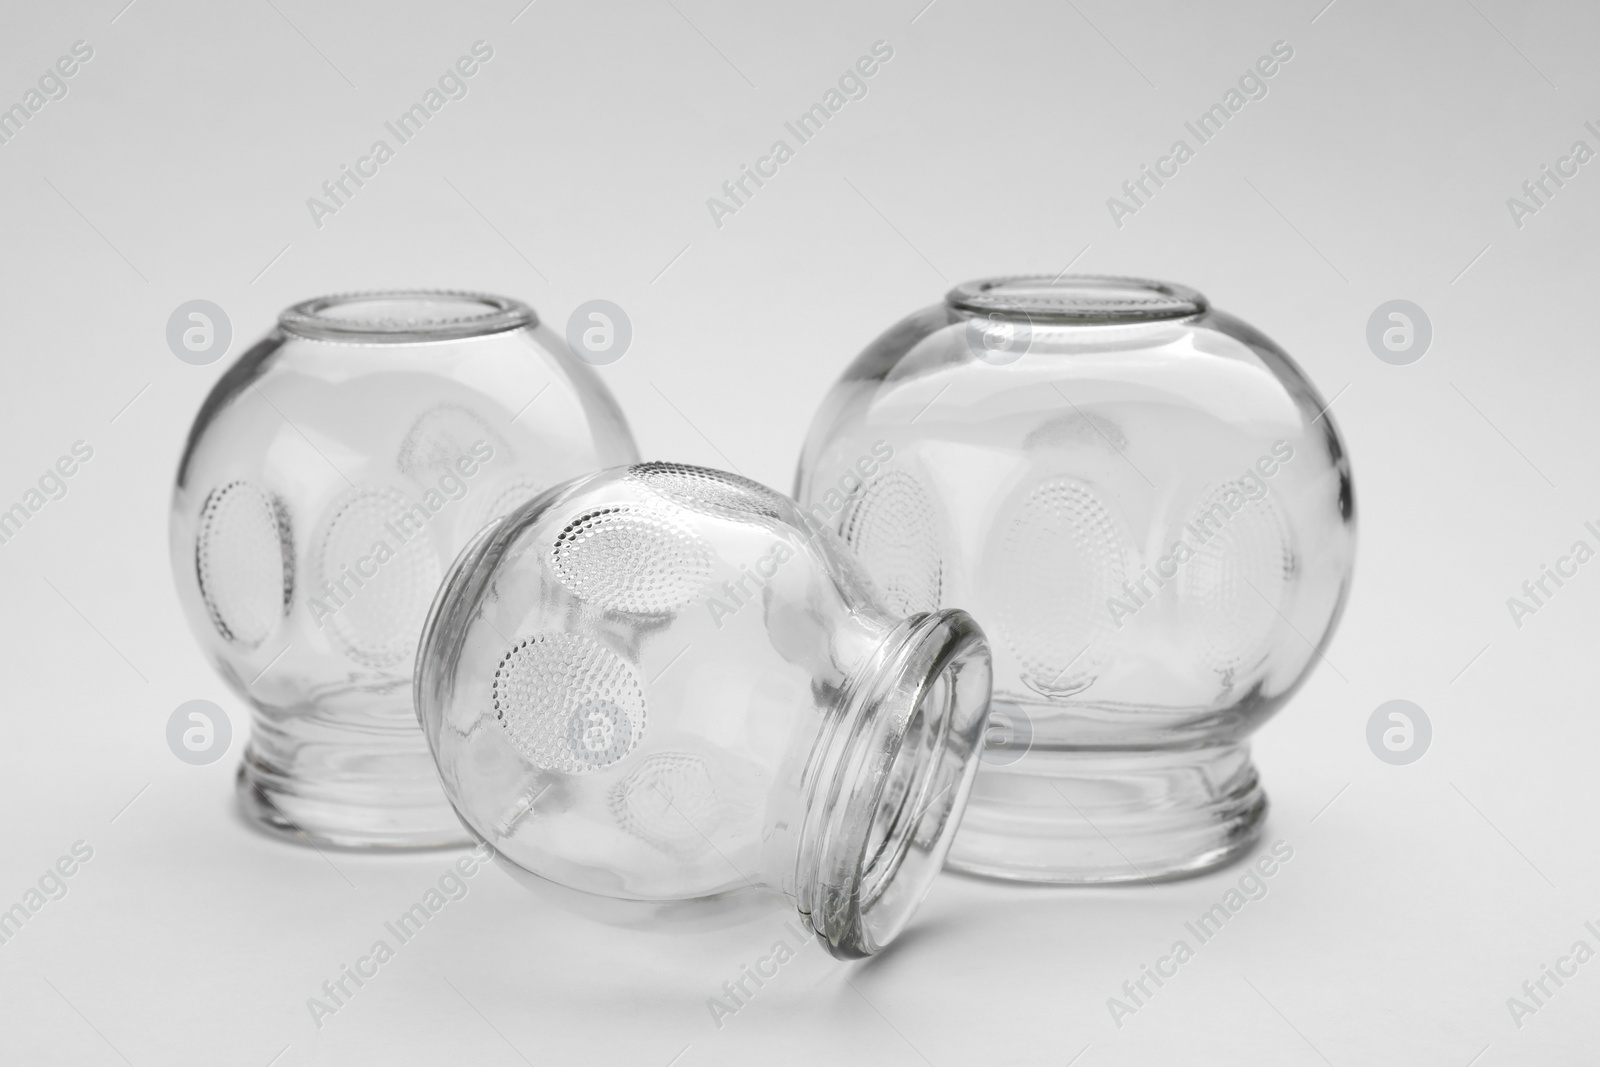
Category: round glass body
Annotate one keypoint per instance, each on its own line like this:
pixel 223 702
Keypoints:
pixel 661 683
pixel 1146 504
pixel 329 479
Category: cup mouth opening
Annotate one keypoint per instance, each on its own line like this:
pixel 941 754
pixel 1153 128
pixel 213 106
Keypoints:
pixel 1077 299
pixel 898 795
pixel 405 316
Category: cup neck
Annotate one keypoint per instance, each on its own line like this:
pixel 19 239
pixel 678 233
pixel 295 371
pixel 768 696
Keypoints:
pixel 888 780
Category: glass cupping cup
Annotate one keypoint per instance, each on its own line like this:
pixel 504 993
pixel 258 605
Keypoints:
pixel 1146 504
pixel 331 476
pixel 664 683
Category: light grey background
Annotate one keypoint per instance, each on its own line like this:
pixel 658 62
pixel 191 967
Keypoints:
pixel 1419 897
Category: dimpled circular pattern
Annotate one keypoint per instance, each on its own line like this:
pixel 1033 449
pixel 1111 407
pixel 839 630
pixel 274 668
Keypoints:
pixel 669 802
pixel 568 703
pixel 712 492
pixel 1238 579
pixel 244 559
pixel 1061 558
pixel 633 559
pixel 441 436
pixel 377 622
pixel 892 529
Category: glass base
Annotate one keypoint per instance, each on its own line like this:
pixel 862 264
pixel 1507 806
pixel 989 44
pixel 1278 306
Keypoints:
pixel 1104 816
pixel 311 780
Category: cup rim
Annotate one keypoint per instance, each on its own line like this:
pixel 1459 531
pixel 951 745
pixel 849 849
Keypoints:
pixel 867 859
pixel 1077 299
pixel 475 314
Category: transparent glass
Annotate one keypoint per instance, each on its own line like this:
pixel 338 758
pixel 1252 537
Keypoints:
pixel 662 683
pixel 1147 506
pixel 330 478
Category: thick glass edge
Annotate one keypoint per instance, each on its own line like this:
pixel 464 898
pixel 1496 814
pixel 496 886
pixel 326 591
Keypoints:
pixel 973 298
pixel 493 314
pixel 922 650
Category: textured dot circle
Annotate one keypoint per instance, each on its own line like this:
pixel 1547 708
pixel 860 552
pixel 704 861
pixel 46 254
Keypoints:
pixel 244 559
pixel 1062 557
pixel 376 622
pixel 441 436
pixel 709 491
pixel 670 802
pixel 1238 580
pixel 631 559
pixel 568 703
pixel 892 529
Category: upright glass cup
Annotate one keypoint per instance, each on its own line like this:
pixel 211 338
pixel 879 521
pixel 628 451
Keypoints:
pixel 661 683
pixel 1146 504
pixel 331 476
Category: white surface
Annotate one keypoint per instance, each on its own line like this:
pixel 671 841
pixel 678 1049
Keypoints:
pixel 1419 899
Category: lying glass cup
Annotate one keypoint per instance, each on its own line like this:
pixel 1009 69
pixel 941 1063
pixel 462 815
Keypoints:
pixel 663 683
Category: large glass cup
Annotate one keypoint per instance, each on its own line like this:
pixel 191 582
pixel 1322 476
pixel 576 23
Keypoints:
pixel 1146 504
pixel 330 478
